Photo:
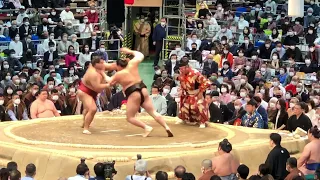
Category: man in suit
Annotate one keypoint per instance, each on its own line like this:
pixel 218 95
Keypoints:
pixel 209 66
pixel 172 64
pixel 28 44
pixel 171 103
pixel 219 113
pixel 50 55
pixel 93 42
pixel 42 28
pixel 25 29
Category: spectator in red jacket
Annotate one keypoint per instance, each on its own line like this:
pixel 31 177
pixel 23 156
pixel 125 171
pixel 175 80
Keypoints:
pixel 92 15
pixel 293 85
pixel 226 56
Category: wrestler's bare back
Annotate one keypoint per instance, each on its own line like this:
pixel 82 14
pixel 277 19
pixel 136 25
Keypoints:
pixel 90 74
pixel 128 76
pixel 225 164
pixel 311 152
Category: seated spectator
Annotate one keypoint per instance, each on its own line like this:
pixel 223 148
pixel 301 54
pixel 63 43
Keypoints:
pixel 6 81
pixel 16 83
pixel 200 31
pixel 223 32
pixel 283 75
pixel 273 6
pixel 93 41
pixel 226 70
pixel 233 48
pixel 30 172
pixel 50 55
pixel 275 35
pixel 16 45
pixel 63 44
pixel 66 14
pixel 308 67
pixel 3 116
pixel 242 23
pixel 92 14
pixel 292 86
pixel 311 35
pixel 54 17
pixel 102 52
pixel 252 118
pixel 243 172
pixel 298 28
pixel 299 119
pixel 71 75
pixel 57 101
pixel 43 28
pixel 294 52
pixel 313 53
pixel 160 82
pixel 159 102
pixel 72 102
pixel 226 56
pixel 247 46
pixel 117 100
pixel 265 50
pixel 50 81
pixel 27 44
pixel 69 28
pixel 85 55
pixel 46 42
pixel 224 156
pixel 36 78
pixel 260 35
pixel 203 11
pixel 16 109
pixel 140 171
pixel 196 54
pixel 254 24
pixel 309 18
pixel 275 61
pixel 225 96
pixel 70 57
pixel 291 36
pixel 82 172
pixel 264 172
pixel 194 39
pixel 219 112
pixel 210 66
pixel 180 53
pixel 42 107
pixel 171 65
pixel 291 167
pixel 30 95
pixel 245 32
pixel 271 24
pixel 279 49
pixel 13 30
pixel 239 61
pixel 22 14
pixel 99 171
pixel 206 170
pixel 116 42
pixel 59 30
pixel 25 29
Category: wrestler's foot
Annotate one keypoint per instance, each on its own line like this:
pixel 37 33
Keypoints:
pixel 147 131
pixel 202 125
pixel 86 132
pixel 179 121
pixel 169 133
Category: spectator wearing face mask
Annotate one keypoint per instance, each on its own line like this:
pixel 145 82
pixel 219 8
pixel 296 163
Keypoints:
pixel 66 14
pixel 283 75
pixel 242 23
pixel 273 5
pixel 3 116
pixel 226 56
pixel 315 8
pixel 256 12
pixel 308 67
pixel 42 28
pixel 57 101
pixel 219 112
pixel 190 24
pixel 36 78
pixel 245 32
pixel 159 102
pixel 219 12
pixel 281 17
pixel 291 73
pixel 195 54
pixel 69 28
pixel 223 32
pixel 298 28
pixel 291 37
pixel 163 80
pixel 172 64
pixel 59 29
pixel 25 29
pixel 194 39
pixel 16 109
pixel 247 46
pixel 233 48
pixel 278 49
pixel 16 83
pixel 102 51
pixel 262 111
pixel 5 69
pixel 275 36
pixel 93 41
pixel 226 70
pixel 75 44
pixel 311 35
pixel 27 44
pixel 7 93
pixel 13 30
pixel 225 96
pixel 271 24
pixel 6 81
pixel 252 118
pixel 46 43
pixel 309 18
pixel 294 52
pixel 50 55
pixel 202 12
pixel 239 62
pixel 249 72
pixel 292 87
pixel 276 83
pixel 265 50
pixel 260 35
pixel 238 112
pixel 70 57
pixel 210 66
pixel 267 13
pixel 275 61
pixel 16 45
pixel 22 14
pixel 313 53
pixel 92 15
pixel 63 44
pixel 180 53
pixel 171 103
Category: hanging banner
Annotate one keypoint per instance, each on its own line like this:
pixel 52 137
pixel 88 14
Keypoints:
pixel 145 3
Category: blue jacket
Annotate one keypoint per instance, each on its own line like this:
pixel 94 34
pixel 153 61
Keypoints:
pixel 159 33
pixel 264 116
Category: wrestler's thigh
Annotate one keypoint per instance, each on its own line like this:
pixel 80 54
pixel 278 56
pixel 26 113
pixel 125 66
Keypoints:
pixel 147 104
pixel 88 102
pixel 133 104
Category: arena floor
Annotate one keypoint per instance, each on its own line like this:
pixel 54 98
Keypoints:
pixel 56 145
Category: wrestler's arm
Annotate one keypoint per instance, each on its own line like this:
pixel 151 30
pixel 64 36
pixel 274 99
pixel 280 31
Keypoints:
pixel 138 56
pixel 113 80
pixel 110 66
pixel 97 85
pixel 304 156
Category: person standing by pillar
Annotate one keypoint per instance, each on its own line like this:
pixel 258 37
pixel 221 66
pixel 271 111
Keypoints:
pixel 159 34
pixel 142 30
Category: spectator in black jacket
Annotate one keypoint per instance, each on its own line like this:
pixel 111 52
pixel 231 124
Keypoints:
pixel 171 103
pixel 13 30
pixel 27 44
pixel 265 50
pixel 247 46
pixel 294 52
pixel 290 37
pixel 25 29
pixel 209 66
pixel 172 64
pixel 59 30
pixel 93 42
pixel 238 112
pixel 196 54
pixel 2 109
pixel 44 27
pixel 311 35
pixel 219 113
pixel 50 55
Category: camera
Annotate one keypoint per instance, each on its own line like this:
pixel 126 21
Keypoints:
pixel 109 170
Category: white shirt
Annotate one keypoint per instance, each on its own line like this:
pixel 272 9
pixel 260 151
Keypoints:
pixel 20 18
pixel 83 58
pixel 280 87
pixel 77 177
pixel 189 43
pixel 64 15
pixel 180 54
pixel 17 46
pixel 87 32
pixel 242 24
pixel 264 104
pixel 46 45
pixel 93 47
